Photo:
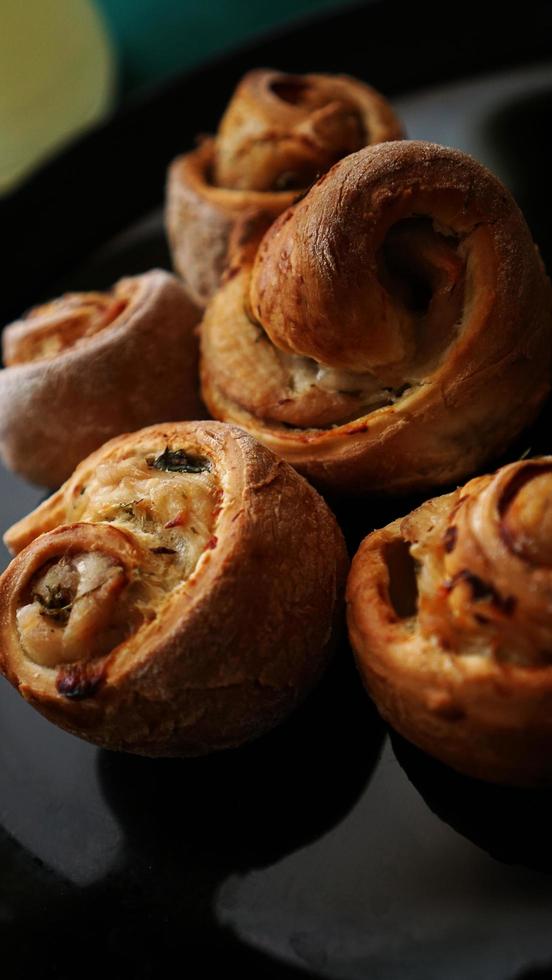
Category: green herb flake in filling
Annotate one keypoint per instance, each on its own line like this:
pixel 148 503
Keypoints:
pixel 179 461
pixel 56 603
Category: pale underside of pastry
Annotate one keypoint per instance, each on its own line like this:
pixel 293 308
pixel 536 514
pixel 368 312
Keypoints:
pixel 179 594
pixel 449 614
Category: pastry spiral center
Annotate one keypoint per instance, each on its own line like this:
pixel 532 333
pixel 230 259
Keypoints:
pixel 280 132
pixel 55 327
pixel 72 609
pixel 416 261
pixel 296 91
pixel 528 520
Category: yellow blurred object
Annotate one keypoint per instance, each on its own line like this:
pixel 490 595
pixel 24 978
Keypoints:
pixel 56 78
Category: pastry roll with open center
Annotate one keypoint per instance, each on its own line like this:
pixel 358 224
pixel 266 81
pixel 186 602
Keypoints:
pixel 390 331
pixel 179 594
pixel 278 134
pixel 88 366
pixel 450 616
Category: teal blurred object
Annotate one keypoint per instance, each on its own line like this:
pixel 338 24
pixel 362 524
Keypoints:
pixel 157 38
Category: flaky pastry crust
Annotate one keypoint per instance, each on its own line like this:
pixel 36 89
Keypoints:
pixel 391 331
pixel 279 133
pixel 449 613
pixel 89 366
pixel 179 594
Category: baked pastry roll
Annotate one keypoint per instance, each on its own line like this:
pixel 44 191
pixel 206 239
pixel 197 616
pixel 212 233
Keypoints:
pixel 179 594
pixel 89 366
pixel 392 330
pixel 279 133
pixel 450 617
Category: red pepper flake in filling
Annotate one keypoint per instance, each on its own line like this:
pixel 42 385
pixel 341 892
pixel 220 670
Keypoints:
pixel 212 542
pixel 482 591
pixel 114 310
pixel 177 521
pixel 217 503
pixel 231 272
pixel 459 503
pixel 449 540
pixel 79 681
pixel 482 620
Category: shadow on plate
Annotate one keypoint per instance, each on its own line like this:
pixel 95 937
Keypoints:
pixel 536 973
pixel 512 825
pixel 186 826
pixel 249 807
pixel 198 821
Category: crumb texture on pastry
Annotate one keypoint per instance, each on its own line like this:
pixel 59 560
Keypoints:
pixel 391 330
pixel 278 134
pixel 88 366
pixel 180 593
pixel 449 616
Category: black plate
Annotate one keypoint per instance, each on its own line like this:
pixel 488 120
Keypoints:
pixel 325 849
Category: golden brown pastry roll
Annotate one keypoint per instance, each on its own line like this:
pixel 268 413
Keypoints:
pixel 392 330
pixel 279 133
pixel 450 617
pixel 89 366
pixel 179 594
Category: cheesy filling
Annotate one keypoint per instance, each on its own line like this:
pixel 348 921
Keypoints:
pixel 82 605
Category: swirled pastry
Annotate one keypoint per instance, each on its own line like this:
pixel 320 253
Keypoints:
pixel 450 616
pixel 89 366
pixel 392 330
pixel 178 594
pixel 279 133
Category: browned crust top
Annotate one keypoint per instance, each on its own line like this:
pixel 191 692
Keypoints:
pixel 317 291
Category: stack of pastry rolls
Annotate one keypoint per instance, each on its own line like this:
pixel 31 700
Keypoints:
pixel 278 135
pixel 386 330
